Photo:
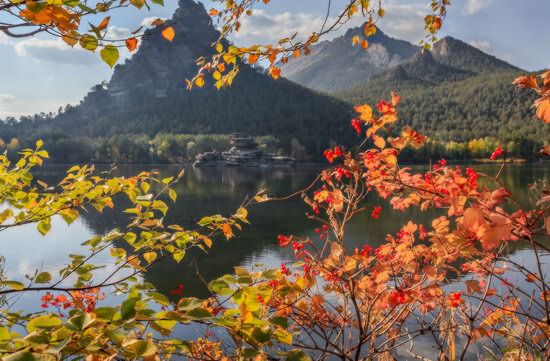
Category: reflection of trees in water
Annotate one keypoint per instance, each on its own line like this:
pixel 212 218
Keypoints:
pixel 221 190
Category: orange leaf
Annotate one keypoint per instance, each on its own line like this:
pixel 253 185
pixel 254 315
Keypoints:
pixel 365 44
pixel 395 98
pixel 157 22
pixel 543 109
pixel 252 58
pixel 103 25
pixel 169 33
pixel 275 72
pixel 526 82
pixel 296 53
pixel 227 231
pixel 213 12
pixel 355 40
pixel 131 44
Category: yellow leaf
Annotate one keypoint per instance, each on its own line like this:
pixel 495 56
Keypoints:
pixel 379 141
pixel 150 256
pixel 365 112
pixel 168 33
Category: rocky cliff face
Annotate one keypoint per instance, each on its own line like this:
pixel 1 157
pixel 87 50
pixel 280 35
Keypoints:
pixel 158 68
pixel 337 64
pixel 147 94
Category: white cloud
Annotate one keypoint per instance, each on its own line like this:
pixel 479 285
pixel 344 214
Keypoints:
pixel 486 47
pixel 403 21
pixel 8 99
pixel 474 6
pixel 117 33
pixel 4 39
pixel 148 21
pixel 54 52
pixel 266 28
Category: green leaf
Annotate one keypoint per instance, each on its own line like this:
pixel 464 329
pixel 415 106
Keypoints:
pixel 110 55
pixel 130 237
pixel 128 309
pixel 161 206
pixel 14 285
pixel 220 287
pixel 198 314
pixel 44 226
pixel 22 356
pixel 297 355
pixel 261 335
pixel 43 322
pixel 205 221
pixel 189 303
pixel 43 277
pixel 88 42
pixel 80 322
pixel 105 313
pixel 279 321
pixel 4 334
pixel 178 256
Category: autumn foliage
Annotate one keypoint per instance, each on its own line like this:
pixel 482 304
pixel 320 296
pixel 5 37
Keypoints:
pixel 445 283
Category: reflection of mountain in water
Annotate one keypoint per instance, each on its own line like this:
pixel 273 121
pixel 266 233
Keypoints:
pixel 210 191
pixel 220 191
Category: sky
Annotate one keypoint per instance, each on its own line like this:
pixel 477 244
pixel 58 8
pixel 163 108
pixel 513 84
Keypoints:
pixel 41 74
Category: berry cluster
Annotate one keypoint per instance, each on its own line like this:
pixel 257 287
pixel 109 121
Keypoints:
pixel 284 269
pixel 440 164
pixel 283 240
pixel 332 154
pixel 455 299
pixel 179 290
pixel 472 177
pixel 397 297
pixel 341 173
pixel 384 107
pixel 376 212
pixel 59 301
pixel 497 153
pixel 356 124
pixel 366 251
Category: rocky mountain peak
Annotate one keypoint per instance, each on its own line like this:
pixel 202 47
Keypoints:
pixel 336 64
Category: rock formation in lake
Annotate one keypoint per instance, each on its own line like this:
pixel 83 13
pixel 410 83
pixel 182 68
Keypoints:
pixel 244 152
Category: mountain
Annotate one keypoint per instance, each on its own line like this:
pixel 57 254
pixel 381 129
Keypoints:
pixel 460 55
pixel 458 93
pixel 147 95
pixel 336 65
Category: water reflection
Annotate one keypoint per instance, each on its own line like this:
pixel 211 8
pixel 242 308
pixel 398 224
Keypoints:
pixel 220 191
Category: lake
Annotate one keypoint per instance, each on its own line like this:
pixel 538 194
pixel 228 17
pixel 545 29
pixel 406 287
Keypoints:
pixel 208 191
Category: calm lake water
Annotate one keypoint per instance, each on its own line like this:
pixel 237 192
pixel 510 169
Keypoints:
pixel 220 191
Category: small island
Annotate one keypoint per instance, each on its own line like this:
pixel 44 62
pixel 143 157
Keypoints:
pixel 244 153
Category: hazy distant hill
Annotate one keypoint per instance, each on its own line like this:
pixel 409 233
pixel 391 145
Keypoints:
pixel 336 65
